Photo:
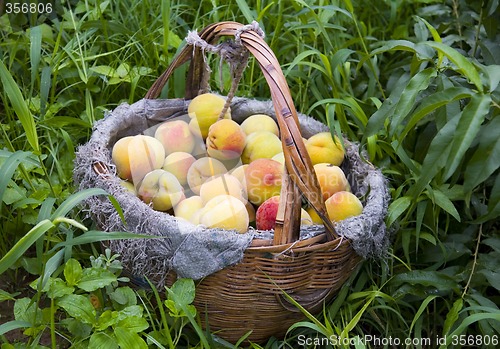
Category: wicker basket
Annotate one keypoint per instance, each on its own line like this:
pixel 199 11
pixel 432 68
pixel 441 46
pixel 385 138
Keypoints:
pixel 250 296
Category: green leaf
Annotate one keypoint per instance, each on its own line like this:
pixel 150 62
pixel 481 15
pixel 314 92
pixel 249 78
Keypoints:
pixel 486 159
pixel 13 325
pixel 406 102
pixel 431 103
pixel 20 107
pixel 75 199
pixel 442 201
pixel 35 50
pixel 134 324
pixel 107 319
pixel 97 236
pixel 24 243
pixel 105 70
pixel 102 340
pixel 421 51
pixel 463 65
pixel 95 278
pixel 26 310
pixel 452 316
pixel 78 307
pixel 468 127
pixel 469 320
pixel 421 309
pixel 183 291
pixel 437 156
pixel 73 272
pixel 8 168
pixel 492 276
pixel 386 111
pixel 6 296
pixel 58 288
pixel 435 279
pixel 397 208
pixel 123 297
pixel 127 339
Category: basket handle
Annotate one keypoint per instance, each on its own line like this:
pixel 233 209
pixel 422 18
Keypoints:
pixel 297 161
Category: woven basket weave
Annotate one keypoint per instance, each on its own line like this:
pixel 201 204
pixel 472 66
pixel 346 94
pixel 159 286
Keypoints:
pixel 250 296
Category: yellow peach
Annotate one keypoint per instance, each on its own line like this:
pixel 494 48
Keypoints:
pixel 129 186
pixel 225 140
pixel 226 212
pixel 305 218
pixel 223 184
pixel 263 179
pixel 178 163
pixel 175 136
pixel 331 179
pixel 342 205
pixel 187 209
pixel 204 110
pixel 260 122
pixel 161 189
pixel 135 156
pixel 239 172
pixel 280 157
pixel 202 169
pixel 261 145
pixel 314 215
pixel 322 148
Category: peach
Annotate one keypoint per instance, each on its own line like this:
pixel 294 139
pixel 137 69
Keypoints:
pixel 135 156
pixel 204 110
pixel 161 189
pixel 265 216
pixel 331 179
pixel 223 184
pixel 225 140
pixel 175 136
pixel 342 205
pixel 305 218
pixel 239 172
pixel 263 179
pixel 178 164
pixel 226 212
pixel 201 170
pixel 187 209
pixel 316 219
pixel 260 122
pixel 261 145
pixel 322 148
pixel 280 157
pixel 129 186
pixel 251 211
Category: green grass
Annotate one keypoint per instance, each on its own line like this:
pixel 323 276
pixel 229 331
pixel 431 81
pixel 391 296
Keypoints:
pixel 415 82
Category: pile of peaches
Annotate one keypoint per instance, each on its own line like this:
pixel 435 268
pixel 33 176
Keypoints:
pixel 212 171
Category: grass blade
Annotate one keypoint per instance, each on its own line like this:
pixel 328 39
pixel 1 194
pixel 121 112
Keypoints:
pixel 35 51
pixel 24 243
pixel 98 236
pixel 76 199
pixel 20 107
